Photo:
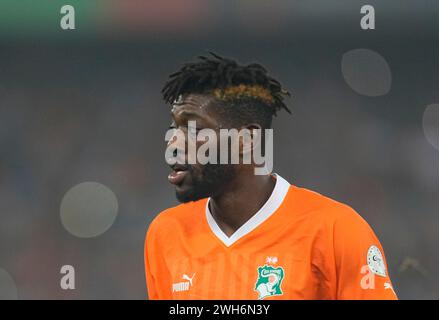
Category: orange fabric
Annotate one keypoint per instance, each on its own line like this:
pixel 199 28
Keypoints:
pixel 321 246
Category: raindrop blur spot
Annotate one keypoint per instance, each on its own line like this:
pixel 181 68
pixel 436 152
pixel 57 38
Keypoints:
pixel 88 209
pixel 366 72
pixel 8 289
pixel 430 124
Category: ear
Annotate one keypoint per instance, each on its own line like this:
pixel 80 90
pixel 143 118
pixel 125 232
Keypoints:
pixel 249 139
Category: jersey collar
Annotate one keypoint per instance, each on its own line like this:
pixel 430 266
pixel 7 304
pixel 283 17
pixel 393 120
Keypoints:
pixel 270 206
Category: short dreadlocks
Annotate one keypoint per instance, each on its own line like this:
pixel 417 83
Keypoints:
pixel 247 93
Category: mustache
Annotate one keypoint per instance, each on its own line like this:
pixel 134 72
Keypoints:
pixel 183 167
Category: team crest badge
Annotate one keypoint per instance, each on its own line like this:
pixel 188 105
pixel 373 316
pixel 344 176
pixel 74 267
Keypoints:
pixel 269 281
pixel 375 261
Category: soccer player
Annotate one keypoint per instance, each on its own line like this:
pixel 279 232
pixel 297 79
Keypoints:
pixel 239 235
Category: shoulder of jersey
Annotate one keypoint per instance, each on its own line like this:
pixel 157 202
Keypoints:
pixel 313 203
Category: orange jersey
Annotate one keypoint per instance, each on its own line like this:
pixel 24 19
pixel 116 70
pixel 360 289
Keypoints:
pixel 299 245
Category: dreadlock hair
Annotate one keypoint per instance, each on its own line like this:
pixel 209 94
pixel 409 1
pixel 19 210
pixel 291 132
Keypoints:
pixel 242 94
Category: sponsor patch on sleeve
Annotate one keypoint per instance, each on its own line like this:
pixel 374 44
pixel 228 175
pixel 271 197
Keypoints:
pixel 375 261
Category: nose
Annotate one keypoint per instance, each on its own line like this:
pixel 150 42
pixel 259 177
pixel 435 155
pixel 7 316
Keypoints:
pixel 176 144
pixel 177 139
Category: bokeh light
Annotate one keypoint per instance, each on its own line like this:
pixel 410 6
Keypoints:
pixel 88 209
pixel 366 72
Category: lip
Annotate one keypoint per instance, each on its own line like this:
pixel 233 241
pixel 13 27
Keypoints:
pixel 178 174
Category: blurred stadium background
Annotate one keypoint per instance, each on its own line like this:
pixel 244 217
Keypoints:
pixel 85 105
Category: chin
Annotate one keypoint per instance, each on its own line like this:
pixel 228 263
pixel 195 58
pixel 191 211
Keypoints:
pixel 184 197
pixel 189 194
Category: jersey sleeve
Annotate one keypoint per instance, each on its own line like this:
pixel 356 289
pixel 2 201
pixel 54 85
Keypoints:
pixel 156 272
pixel 361 267
pixel 150 278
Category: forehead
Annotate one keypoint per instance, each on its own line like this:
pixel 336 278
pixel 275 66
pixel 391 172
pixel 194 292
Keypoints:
pixel 192 104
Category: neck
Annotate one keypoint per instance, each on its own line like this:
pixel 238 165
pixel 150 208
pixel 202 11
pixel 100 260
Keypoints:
pixel 244 197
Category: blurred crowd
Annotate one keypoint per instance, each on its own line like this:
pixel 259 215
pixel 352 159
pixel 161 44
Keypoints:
pixel 91 110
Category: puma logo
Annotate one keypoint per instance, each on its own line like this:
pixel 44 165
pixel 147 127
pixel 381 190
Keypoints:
pixel 387 285
pixel 183 286
pixel 186 277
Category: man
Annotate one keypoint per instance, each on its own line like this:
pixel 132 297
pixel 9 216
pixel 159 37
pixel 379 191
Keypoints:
pixel 241 235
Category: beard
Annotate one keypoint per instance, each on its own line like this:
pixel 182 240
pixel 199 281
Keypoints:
pixel 207 182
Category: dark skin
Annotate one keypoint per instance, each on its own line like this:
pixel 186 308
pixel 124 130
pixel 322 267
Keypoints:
pixel 236 200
